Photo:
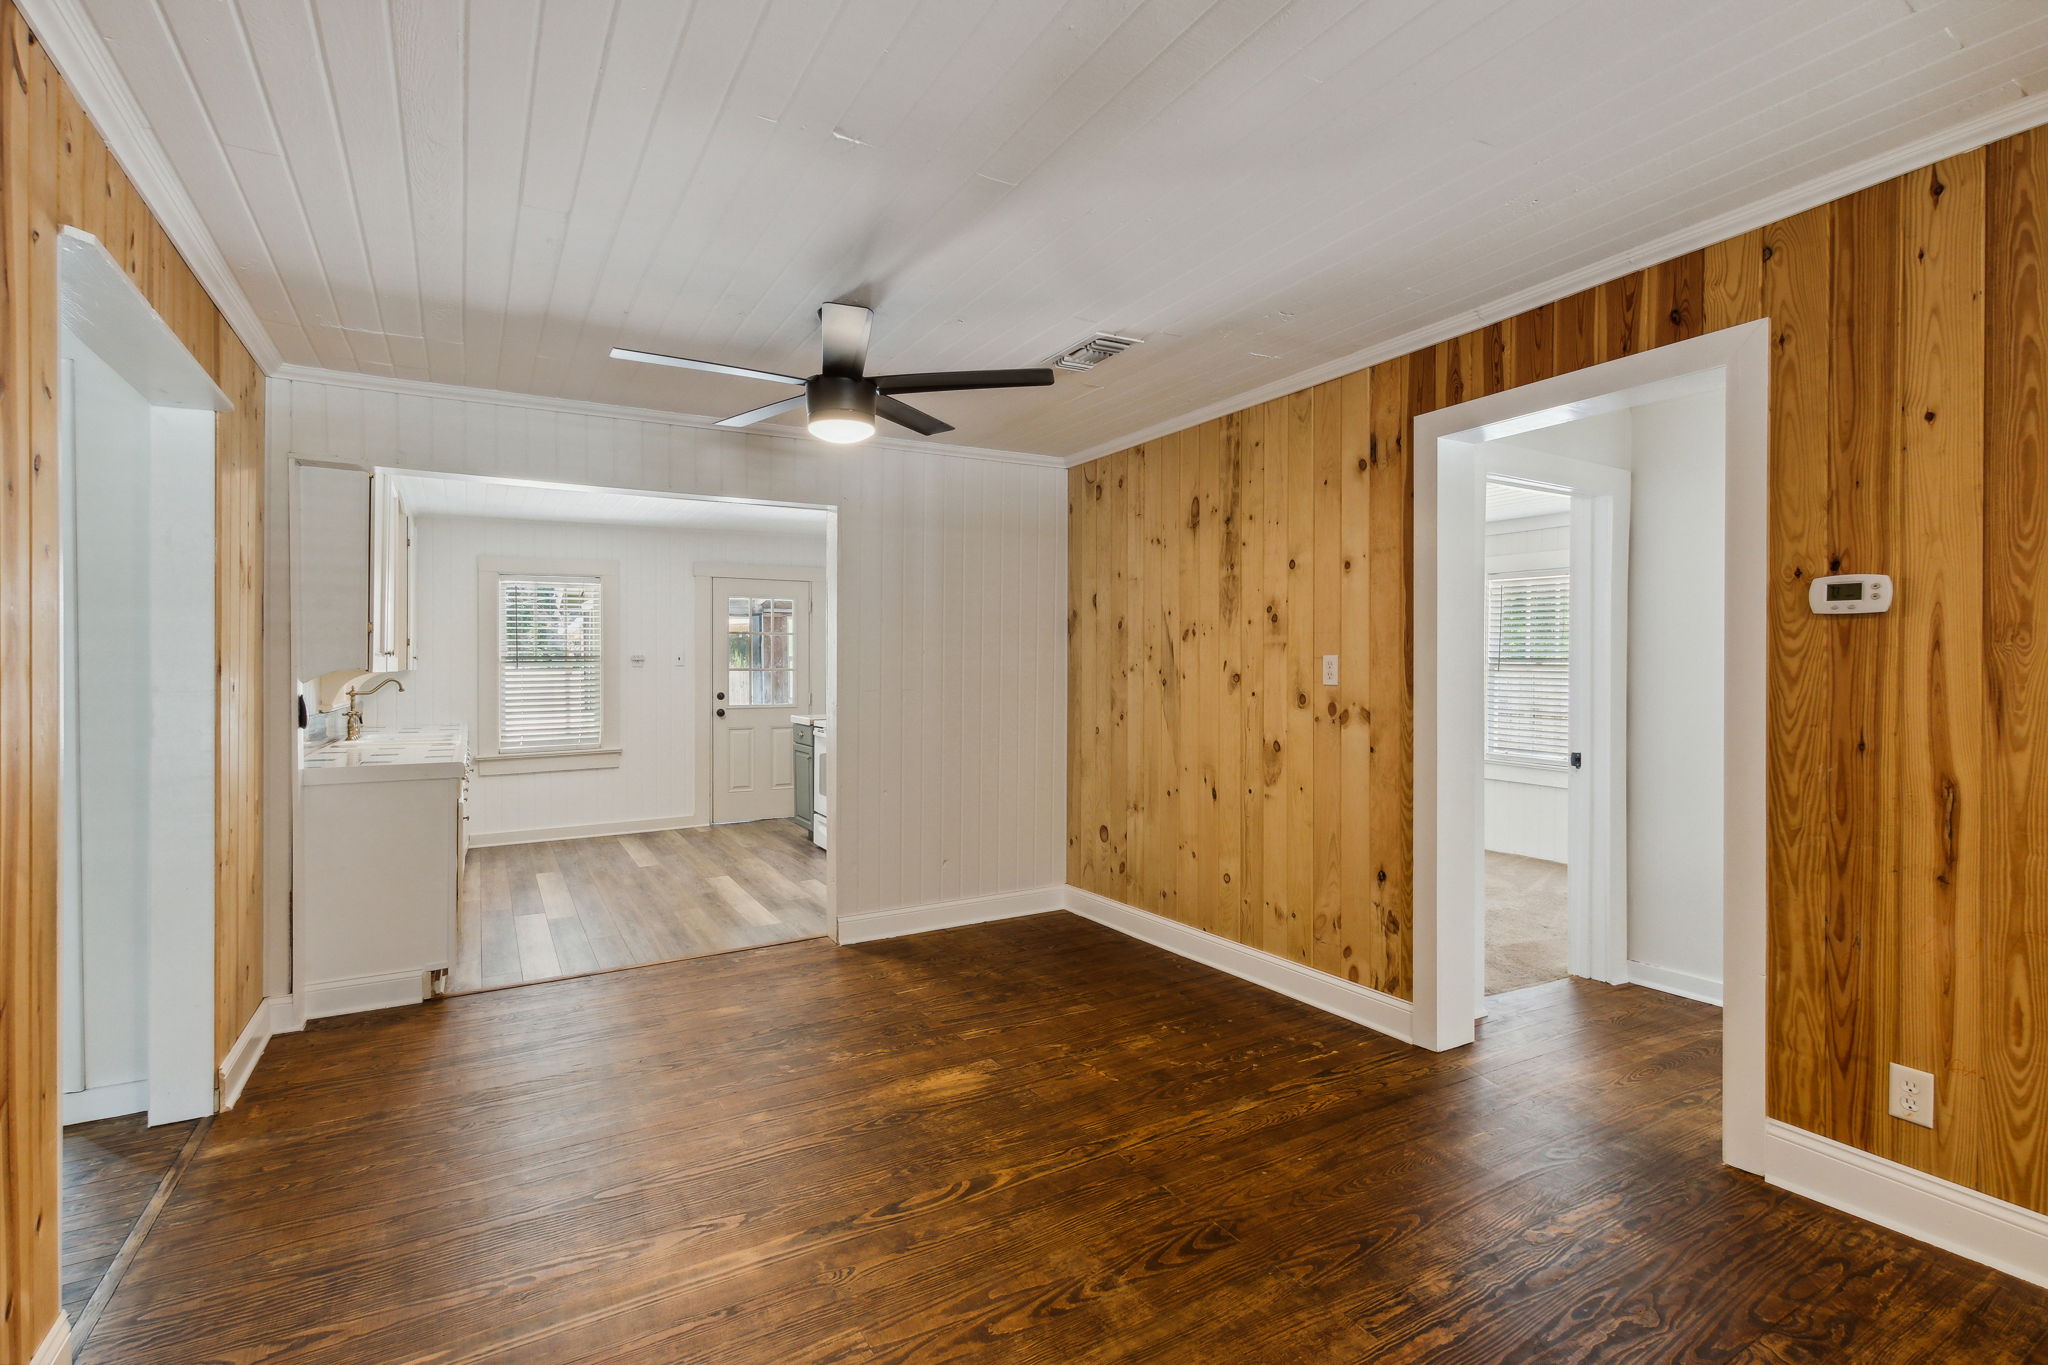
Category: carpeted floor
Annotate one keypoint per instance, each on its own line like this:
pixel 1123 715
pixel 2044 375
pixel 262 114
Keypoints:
pixel 1525 922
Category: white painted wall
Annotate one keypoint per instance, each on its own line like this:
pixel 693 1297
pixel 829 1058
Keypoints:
pixel 1528 809
pixel 662 706
pixel 1675 450
pixel 949 739
pixel 1676 729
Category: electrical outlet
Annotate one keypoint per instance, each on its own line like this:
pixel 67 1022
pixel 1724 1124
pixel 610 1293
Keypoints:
pixel 1912 1095
pixel 1329 670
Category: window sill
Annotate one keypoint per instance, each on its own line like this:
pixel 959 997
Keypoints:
pixel 493 764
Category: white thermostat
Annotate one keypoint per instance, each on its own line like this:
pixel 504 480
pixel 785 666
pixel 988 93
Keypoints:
pixel 1850 592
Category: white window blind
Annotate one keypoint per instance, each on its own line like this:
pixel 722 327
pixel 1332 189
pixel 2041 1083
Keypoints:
pixel 1528 668
pixel 550 663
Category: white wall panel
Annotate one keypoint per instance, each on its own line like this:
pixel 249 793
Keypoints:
pixel 949 741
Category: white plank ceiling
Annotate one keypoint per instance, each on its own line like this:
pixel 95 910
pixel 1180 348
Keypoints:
pixel 493 193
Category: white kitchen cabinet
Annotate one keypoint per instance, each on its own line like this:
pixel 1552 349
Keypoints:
pixel 385 832
pixel 391 585
pixel 352 549
pixel 331 563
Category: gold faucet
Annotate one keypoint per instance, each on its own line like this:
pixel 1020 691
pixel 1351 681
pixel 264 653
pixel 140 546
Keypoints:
pixel 355 717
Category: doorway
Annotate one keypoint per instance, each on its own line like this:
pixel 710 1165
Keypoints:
pixel 762 660
pixel 136 674
pixel 584 640
pixel 1553 560
pixel 1716 600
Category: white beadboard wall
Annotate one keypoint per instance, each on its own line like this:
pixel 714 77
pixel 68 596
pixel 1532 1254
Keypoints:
pixel 950 727
pixel 663 713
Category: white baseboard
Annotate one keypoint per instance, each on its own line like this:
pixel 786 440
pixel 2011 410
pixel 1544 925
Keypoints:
pixel 1968 1222
pixel 287 1014
pixel 1348 1000
pixel 325 999
pixel 1674 982
pixel 241 1060
pixel 103 1102
pixel 56 1347
pixel 501 837
pixel 873 925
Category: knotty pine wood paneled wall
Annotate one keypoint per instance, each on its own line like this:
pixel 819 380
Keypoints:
pixel 55 171
pixel 1213 780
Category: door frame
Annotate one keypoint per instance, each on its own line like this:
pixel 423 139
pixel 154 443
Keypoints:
pixel 818 638
pixel 1737 359
pixel 1597 793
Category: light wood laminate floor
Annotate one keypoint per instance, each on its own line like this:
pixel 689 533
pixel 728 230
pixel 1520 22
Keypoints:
pixel 1032 1141
pixel 533 912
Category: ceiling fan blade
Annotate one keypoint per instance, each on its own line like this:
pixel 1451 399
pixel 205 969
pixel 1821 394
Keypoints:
pixel 947 381
pixel 712 366
pixel 845 328
pixel 764 412
pixel 904 415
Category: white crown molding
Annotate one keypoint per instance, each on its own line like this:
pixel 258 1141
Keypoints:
pixel 421 388
pixel 1954 1217
pixel 2030 111
pixel 81 56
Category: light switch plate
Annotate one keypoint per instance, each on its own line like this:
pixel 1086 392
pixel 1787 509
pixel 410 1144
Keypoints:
pixel 1912 1095
pixel 1329 670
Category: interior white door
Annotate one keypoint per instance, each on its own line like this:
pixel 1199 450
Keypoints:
pixel 761 673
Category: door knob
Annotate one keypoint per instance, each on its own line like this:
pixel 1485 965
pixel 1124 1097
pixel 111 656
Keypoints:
pixel 721 710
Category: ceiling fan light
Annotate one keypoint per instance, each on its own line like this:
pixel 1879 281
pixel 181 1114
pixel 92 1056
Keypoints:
pixel 840 408
pixel 841 429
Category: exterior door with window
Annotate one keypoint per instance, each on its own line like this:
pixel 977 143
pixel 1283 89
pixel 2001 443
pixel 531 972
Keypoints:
pixel 761 673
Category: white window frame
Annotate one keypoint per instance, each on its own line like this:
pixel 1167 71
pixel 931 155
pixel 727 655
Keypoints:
pixel 1498 757
pixel 607 752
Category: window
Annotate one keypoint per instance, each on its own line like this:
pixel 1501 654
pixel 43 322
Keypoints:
pixel 760 651
pixel 547 651
pixel 1528 668
pixel 550 664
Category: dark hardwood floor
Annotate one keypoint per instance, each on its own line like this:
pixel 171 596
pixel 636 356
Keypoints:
pixel 534 912
pixel 112 1168
pixel 1027 1141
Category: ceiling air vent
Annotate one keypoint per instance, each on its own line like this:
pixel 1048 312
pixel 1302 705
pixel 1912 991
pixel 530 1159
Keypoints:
pixel 1091 352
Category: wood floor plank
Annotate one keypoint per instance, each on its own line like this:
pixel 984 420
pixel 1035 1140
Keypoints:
pixel 629 900
pixel 1027 1141
pixel 537 958
pixel 111 1169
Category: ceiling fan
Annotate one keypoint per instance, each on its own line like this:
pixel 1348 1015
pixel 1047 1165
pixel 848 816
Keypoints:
pixel 842 401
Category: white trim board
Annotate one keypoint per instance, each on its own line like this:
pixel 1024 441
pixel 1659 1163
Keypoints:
pixel 500 838
pixel 1346 999
pixel 875 925
pixel 2017 117
pixel 1954 1217
pixel 102 1102
pixel 1706 989
pixel 56 1347
pixel 240 1063
pixel 324 999
pixel 1446 999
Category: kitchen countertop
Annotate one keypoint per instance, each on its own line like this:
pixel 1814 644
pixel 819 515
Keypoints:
pixel 401 753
